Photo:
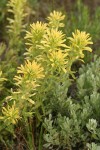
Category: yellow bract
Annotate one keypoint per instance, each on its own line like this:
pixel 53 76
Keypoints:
pixel 58 60
pixel 55 19
pixel 79 42
pixel 34 38
pixel 29 72
pixel 31 69
pixel 36 33
pixel 10 114
pixel 53 40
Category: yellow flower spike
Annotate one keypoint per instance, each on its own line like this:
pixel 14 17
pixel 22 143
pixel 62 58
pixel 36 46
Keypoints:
pixel 17 16
pixel 55 19
pixel 36 33
pixel 79 42
pixel 58 60
pixel 34 37
pixel 10 114
pixel 81 38
pixel 29 73
pixel 53 40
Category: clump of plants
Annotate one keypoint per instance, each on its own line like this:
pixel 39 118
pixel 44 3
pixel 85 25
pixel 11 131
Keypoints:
pixel 38 111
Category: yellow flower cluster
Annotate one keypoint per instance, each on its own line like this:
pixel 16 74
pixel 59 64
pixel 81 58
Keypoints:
pixel 55 19
pixel 47 42
pixel 58 61
pixel 34 37
pixel 53 40
pixel 10 114
pixel 36 33
pixel 78 43
pixel 29 73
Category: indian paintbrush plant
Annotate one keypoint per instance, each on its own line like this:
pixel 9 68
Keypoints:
pixel 39 104
pixel 11 49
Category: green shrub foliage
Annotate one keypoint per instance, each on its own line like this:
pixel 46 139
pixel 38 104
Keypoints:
pixel 80 122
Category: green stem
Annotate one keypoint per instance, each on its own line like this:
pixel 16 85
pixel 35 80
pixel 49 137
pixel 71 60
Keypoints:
pixel 40 138
pixel 30 134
